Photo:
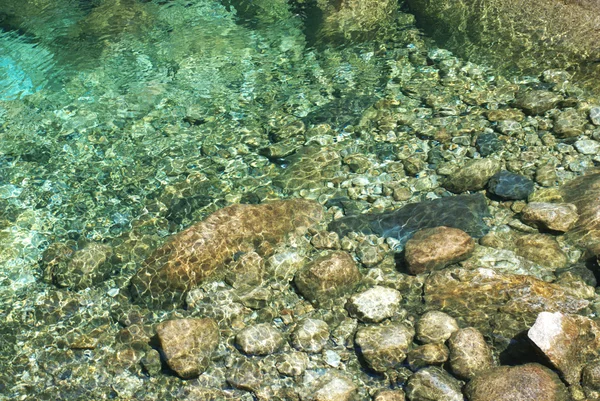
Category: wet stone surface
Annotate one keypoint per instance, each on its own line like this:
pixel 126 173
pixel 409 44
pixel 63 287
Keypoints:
pixel 435 248
pixel 211 201
pixel 509 185
pixel 464 212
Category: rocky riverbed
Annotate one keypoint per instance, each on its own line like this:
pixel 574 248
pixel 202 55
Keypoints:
pixel 375 221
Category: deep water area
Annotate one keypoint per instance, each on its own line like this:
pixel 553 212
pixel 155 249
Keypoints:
pixel 305 200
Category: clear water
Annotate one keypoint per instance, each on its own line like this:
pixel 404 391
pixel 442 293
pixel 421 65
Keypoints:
pixel 132 116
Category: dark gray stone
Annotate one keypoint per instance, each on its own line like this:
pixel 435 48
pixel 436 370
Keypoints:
pixel 509 185
pixel 488 143
pixel 465 212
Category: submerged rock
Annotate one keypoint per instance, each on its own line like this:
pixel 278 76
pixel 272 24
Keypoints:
pixel 552 33
pixel 584 193
pixel 481 296
pixel 551 216
pixel 435 248
pixel 567 340
pixel 375 304
pixel 328 277
pixel 87 267
pixel 384 347
pixel 194 254
pixel 310 335
pixel 469 353
pixel 517 383
pixel 473 176
pixel 433 383
pixel 465 212
pixel 187 344
pixel 509 185
pixel 435 327
pixel 260 339
pixel 542 249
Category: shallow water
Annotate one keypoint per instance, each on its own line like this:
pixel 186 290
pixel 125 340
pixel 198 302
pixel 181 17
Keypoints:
pixel 125 121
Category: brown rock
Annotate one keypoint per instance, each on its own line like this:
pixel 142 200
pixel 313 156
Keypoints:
pixel 473 176
pixel 433 383
pixel 584 192
pixel 427 355
pixel 552 216
pixel 517 383
pixel 328 277
pixel 567 340
pixel 481 295
pixel 469 353
pixel 332 386
pixel 259 339
pixel 435 248
pixel 384 347
pixel 194 254
pixel 435 327
pixel 541 249
pixel 187 344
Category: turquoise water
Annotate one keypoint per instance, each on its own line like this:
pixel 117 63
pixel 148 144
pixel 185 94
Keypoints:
pixel 123 122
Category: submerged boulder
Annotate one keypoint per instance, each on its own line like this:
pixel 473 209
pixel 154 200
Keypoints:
pixel 482 296
pixel 517 383
pixel 584 193
pixel 194 254
pixel 465 212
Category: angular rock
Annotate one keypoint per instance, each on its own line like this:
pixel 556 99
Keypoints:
pixel 568 341
pixel 435 248
pixel 187 344
pixel 328 277
pixel 435 327
pixel 473 176
pixel 488 144
pixel 587 146
pixel 310 335
pixel 427 355
pixel 541 249
pixel 375 304
pixel 196 253
pixel 552 216
pixel 536 102
pixel 465 212
pixel 433 383
pixel 481 295
pixel 517 383
pixel 259 339
pixel 511 186
pixel 568 123
pixel 384 347
pixel 469 353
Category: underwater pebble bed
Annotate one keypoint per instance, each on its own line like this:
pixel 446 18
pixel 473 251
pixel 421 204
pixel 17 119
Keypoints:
pixel 403 216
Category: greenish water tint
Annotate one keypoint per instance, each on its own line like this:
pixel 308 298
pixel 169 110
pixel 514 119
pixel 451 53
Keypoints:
pixel 125 121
